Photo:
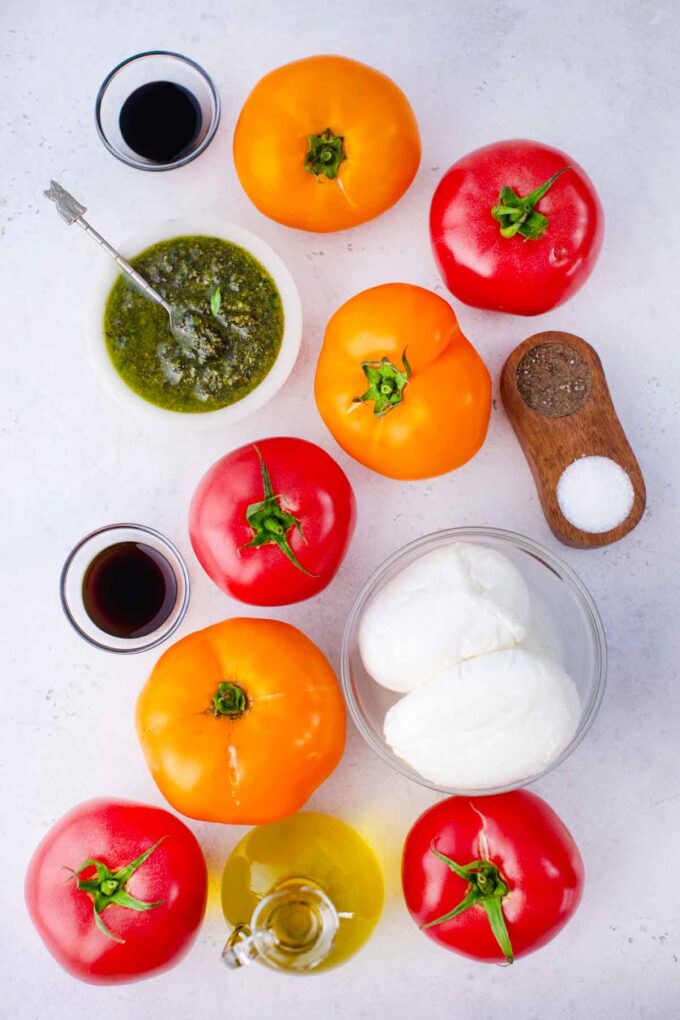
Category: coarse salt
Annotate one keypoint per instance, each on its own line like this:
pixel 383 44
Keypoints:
pixel 595 494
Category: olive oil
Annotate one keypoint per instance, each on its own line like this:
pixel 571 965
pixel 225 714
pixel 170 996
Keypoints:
pixel 273 874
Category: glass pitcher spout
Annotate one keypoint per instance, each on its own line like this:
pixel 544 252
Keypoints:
pixel 292 929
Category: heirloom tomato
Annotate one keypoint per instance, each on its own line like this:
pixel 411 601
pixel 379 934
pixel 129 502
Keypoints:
pixel 271 522
pixel 492 878
pixel 516 227
pixel 325 143
pixel 117 890
pixel 399 386
pixel 240 722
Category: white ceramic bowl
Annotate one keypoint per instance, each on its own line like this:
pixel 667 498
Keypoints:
pixel 290 343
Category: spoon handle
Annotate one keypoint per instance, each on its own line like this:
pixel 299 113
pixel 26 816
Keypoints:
pixel 125 266
pixel 71 211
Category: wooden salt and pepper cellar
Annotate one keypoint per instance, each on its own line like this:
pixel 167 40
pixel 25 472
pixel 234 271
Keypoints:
pixel 578 420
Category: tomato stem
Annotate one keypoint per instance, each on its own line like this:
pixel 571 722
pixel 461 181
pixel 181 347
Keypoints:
pixel 271 522
pixel 386 384
pixel 229 699
pixel 325 154
pixel 486 888
pixel 518 215
pixel 108 887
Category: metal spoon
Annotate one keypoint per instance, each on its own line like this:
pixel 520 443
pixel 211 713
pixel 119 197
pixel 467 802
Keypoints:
pixel 182 322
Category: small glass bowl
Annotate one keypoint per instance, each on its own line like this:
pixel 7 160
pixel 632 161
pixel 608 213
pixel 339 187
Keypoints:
pixel 140 69
pixel 564 615
pixel 73 573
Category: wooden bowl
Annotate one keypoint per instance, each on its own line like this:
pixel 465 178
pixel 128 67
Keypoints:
pixel 552 438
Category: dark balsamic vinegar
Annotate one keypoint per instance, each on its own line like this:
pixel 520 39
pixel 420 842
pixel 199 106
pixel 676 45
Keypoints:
pixel 160 121
pixel 129 590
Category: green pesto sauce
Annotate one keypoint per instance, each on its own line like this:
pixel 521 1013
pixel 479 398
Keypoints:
pixel 234 335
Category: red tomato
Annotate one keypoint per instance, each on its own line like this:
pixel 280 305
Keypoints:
pixel 517 869
pixel 117 891
pixel 271 522
pixel 537 253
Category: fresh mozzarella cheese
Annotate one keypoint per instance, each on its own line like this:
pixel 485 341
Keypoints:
pixel 488 722
pixel 451 604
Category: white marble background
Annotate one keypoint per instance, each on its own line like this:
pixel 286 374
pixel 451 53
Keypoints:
pixel 595 77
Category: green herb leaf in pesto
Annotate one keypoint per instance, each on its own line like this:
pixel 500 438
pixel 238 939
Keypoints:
pixel 216 301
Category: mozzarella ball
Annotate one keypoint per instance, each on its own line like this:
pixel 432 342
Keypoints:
pixel 451 604
pixel 488 722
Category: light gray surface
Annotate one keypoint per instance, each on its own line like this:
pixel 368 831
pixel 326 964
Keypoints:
pixel 596 78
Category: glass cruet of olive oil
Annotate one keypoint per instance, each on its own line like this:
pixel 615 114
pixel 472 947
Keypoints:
pixel 303 894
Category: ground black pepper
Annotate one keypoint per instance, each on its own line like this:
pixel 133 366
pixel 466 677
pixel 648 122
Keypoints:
pixel 553 379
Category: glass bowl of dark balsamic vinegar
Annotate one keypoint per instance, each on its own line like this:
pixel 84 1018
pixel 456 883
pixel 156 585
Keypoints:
pixel 125 588
pixel 157 110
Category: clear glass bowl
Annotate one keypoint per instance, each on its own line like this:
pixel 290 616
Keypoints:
pixel 141 69
pixel 564 615
pixel 73 573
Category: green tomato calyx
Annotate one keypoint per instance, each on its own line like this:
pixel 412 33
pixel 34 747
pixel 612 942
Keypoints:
pixel 325 154
pixel 386 384
pixel 271 522
pixel 108 887
pixel 229 699
pixel 486 888
pixel 518 215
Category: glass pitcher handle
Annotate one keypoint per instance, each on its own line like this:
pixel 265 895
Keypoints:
pixel 242 947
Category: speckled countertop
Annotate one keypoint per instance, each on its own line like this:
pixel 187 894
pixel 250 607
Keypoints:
pixel 594 77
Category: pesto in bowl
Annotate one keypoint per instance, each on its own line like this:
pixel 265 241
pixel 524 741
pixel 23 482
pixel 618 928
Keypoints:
pixel 234 307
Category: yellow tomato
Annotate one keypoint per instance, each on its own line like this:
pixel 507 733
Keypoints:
pixel 240 722
pixel 399 386
pixel 326 143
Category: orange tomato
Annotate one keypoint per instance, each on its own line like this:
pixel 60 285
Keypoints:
pixel 399 386
pixel 325 143
pixel 240 722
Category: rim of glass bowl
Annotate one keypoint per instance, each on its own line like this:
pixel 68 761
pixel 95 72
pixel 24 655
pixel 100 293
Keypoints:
pixel 139 164
pixel 549 560
pixel 181 612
